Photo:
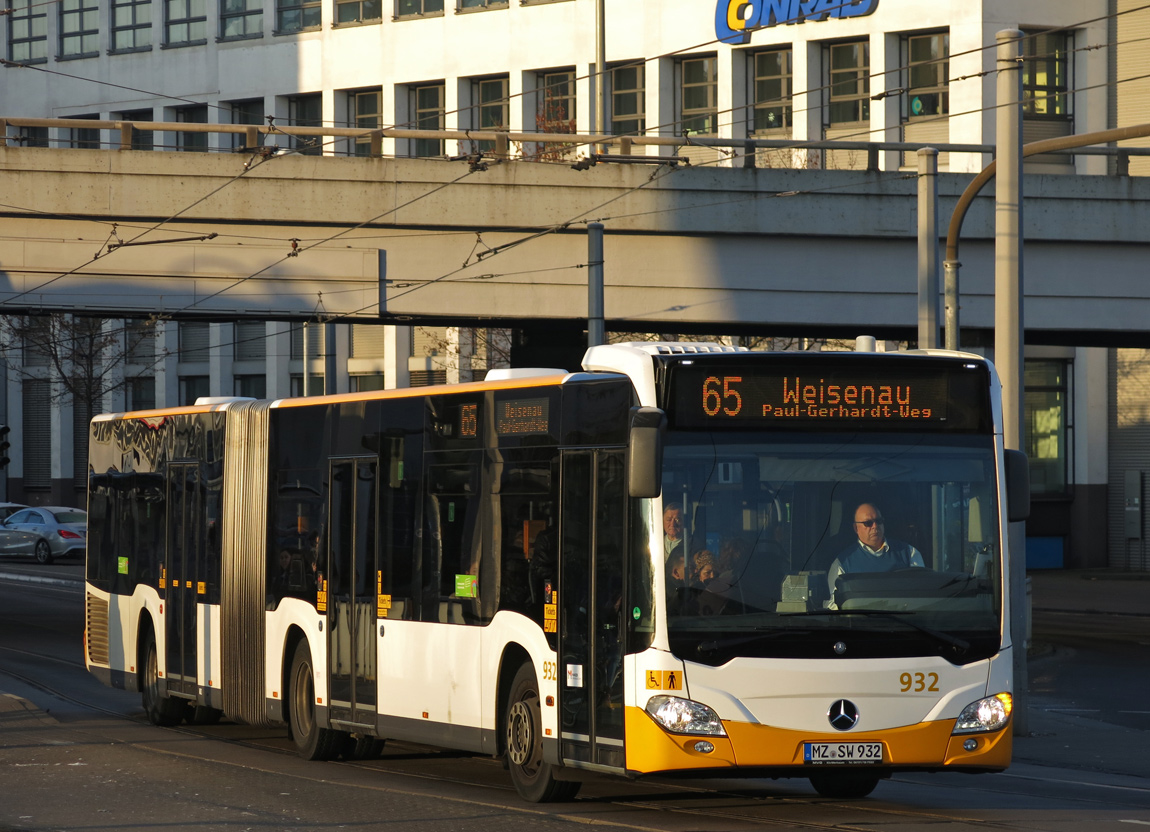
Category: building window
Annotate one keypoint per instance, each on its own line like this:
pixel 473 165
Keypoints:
pixel 251 341
pixel 771 91
pixel 32 137
pixel 426 378
pixel 140 342
pixel 79 28
pixel 314 384
pixel 185 22
pixel 1046 76
pixel 194 387
pixel 241 19
pixel 252 387
pixel 368 341
pixel 131 25
pixel 928 76
pixel 195 341
pixel 358 11
pixel 699 91
pixel 187 139
pixel 850 84
pixel 415 8
pixel 482 4
pixel 297 16
pixel 28 31
pixel 37 440
pixel 1048 424
pixel 141 139
pixel 366 106
pixel 84 137
pixel 628 101
pixel 314 340
pixel 492 108
pixel 250 111
pixel 306 111
pixel 366 383
pixel 141 393
pixel 555 112
pixel 428 109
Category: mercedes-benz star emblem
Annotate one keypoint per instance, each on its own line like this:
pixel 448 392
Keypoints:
pixel 843 715
pixel 840 647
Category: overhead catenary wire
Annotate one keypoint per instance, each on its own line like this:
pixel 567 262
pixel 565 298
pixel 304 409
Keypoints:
pixel 543 232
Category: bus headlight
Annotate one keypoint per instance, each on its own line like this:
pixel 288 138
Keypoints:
pixel 987 714
pixel 683 716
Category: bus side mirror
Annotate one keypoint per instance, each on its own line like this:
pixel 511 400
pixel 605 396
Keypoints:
pixel 1017 486
pixel 645 452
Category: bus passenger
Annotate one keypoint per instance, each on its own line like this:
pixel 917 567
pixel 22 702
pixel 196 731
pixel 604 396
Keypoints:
pixel 672 529
pixel 873 552
pixel 704 567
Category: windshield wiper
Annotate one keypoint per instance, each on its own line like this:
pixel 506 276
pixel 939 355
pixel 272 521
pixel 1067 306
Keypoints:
pixel 894 615
pixel 707 647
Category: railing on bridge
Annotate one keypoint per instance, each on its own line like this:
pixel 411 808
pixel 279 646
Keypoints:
pixel 580 149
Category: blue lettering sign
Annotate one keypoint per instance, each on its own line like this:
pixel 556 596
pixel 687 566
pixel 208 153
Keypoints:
pixel 736 19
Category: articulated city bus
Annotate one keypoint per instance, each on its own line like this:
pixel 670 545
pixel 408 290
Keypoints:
pixel 487 566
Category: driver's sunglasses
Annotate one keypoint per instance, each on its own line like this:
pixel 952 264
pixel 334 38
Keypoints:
pixel 869 523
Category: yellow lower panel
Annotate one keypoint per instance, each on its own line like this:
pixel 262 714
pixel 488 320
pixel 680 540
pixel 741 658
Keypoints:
pixel 650 748
pixel 928 745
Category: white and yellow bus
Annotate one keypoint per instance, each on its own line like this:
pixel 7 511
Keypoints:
pixel 484 567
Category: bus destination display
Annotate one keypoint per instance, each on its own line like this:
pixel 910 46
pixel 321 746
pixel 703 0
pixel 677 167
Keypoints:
pixel 744 394
pixel 516 417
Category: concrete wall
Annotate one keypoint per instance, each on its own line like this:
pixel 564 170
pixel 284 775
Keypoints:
pixel 686 247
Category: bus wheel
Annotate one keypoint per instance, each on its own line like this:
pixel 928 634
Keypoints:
pixel 160 709
pixel 844 786
pixel 311 741
pixel 534 779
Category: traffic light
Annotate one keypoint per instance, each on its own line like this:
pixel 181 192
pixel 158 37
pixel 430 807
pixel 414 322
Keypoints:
pixel 4 445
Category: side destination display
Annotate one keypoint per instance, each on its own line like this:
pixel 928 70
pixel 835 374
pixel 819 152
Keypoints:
pixel 848 396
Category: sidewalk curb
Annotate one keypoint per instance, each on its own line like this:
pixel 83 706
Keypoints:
pixel 37 579
pixel 1064 611
pixel 12 706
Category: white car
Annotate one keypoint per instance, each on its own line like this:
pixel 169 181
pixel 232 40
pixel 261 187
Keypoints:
pixel 45 533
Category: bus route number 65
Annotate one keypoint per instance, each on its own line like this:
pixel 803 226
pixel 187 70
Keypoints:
pixel 722 395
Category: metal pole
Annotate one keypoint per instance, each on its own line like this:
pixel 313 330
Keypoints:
pixel 306 368
pixel 928 249
pixel 601 71
pixel 329 359
pixel 595 327
pixel 950 281
pixel 1008 325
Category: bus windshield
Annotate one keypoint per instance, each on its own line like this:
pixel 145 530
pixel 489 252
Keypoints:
pixel 828 545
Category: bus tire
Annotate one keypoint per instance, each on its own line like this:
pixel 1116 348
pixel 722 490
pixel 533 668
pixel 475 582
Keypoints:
pixel 159 708
pixel 311 741
pixel 533 778
pixel 843 785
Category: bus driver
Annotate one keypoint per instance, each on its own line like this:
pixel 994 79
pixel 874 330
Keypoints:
pixel 873 552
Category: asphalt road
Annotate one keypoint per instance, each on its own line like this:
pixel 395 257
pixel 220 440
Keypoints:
pixel 80 757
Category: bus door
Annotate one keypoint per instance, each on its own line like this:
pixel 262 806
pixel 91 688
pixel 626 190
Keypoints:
pixel 351 609
pixel 593 512
pixel 186 535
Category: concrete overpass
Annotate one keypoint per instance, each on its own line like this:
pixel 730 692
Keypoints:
pixel 688 248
